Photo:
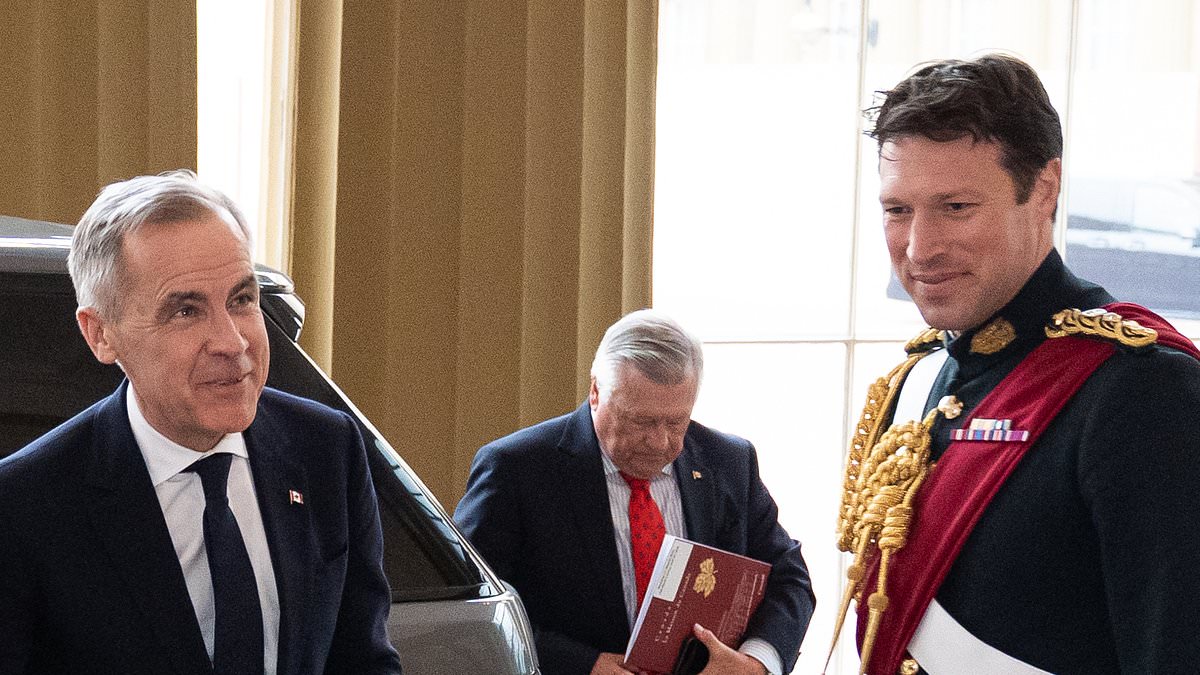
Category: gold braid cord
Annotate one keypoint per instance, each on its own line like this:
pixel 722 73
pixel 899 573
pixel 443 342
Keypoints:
pixel 1100 323
pixel 878 490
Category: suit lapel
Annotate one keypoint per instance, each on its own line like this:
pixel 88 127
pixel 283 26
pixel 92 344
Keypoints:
pixel 128 522
pixel 586 495
pixel 696 485
pixel 276 475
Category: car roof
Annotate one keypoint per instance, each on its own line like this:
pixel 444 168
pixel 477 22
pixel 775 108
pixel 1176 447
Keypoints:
pixel 33 246
pixel 11 226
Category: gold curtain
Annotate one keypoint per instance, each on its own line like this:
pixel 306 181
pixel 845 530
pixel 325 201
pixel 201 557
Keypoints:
pixel 492 208
pixel 93 92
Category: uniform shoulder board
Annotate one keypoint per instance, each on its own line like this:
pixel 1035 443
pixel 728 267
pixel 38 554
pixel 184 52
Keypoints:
pixel 927 340
pixel 1100 323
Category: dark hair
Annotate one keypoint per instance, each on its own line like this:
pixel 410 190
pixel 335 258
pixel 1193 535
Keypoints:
pixel 995 98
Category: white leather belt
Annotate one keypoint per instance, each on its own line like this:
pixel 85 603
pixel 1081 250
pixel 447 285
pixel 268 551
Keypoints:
pixel 943 647
pixel 910 406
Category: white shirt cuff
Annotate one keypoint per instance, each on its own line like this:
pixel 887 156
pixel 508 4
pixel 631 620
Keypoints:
pixel 762 650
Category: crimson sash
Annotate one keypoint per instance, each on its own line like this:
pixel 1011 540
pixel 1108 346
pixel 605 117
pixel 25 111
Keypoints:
pixel 1167 335
pixel 962 484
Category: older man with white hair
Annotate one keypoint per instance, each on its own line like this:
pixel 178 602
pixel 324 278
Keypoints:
pixel 195 521
pixel 551 506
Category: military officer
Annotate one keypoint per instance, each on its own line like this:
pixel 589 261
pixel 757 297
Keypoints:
pixel 1021 495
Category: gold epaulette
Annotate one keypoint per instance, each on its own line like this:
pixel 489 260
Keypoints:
pixel 1100 323
pixel 928 339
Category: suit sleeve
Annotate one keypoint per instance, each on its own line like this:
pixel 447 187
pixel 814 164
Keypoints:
pixel 1140 476
pixel 360 641
pixel 489 516
pixel 787 606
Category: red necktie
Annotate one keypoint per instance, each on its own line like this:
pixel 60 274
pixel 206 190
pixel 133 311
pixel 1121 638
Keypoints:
pixel 646 530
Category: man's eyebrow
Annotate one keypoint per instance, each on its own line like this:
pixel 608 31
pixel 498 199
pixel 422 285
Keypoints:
pixel 249 282
pixel 957 195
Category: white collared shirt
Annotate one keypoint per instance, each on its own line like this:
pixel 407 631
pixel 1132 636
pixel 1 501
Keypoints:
pixel 181 496
pixel 665 491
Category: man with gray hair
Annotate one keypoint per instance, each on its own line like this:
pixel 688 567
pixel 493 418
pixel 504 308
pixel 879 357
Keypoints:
pixel 572 511
pixel 194 521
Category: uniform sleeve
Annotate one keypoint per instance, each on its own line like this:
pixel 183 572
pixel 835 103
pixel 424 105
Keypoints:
pixel 1139 472
pixel 360 641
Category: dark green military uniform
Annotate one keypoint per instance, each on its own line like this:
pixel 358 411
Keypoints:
pixel 1088 558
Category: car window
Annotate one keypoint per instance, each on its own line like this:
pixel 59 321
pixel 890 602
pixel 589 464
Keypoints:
pixel 48 373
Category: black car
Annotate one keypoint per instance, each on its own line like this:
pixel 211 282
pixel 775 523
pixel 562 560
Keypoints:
pixel 450 613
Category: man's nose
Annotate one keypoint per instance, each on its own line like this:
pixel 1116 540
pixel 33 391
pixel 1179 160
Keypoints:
pixel 225 335
pixel 926 237
pixel 660 437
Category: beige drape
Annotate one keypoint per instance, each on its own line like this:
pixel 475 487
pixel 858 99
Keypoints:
pixel 93 91
pixel 470 183
pixel 491 196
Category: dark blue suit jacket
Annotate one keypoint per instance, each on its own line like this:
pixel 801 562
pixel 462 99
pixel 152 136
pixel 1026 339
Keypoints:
pixel 89 579
pixel 536 507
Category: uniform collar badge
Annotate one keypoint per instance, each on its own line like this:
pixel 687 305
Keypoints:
pixel 993 337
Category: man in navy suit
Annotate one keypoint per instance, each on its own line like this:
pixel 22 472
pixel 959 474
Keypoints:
pixel 193 522
pixel 549 508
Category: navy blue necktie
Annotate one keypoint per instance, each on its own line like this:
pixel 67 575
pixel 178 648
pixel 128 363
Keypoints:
pixel 238 633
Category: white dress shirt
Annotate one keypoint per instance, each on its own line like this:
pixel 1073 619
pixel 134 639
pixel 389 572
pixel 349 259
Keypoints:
pixel 665 491
pixel 181 496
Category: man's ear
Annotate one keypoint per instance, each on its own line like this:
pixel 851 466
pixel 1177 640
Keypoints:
pixel 594 394
pixel 96 332
pixel 1046 187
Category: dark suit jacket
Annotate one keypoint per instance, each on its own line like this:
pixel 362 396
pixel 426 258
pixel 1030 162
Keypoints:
pixel 536 507
pixel 89 579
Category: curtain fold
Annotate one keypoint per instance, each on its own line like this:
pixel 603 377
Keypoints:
pixel 494 167
pixel 312 253
pixel 94 92
pixel 471 181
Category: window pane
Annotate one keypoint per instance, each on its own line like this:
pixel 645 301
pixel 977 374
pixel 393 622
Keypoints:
pixel 1133 195
pixel 231 69
pixel 787 400
pixel 755 166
